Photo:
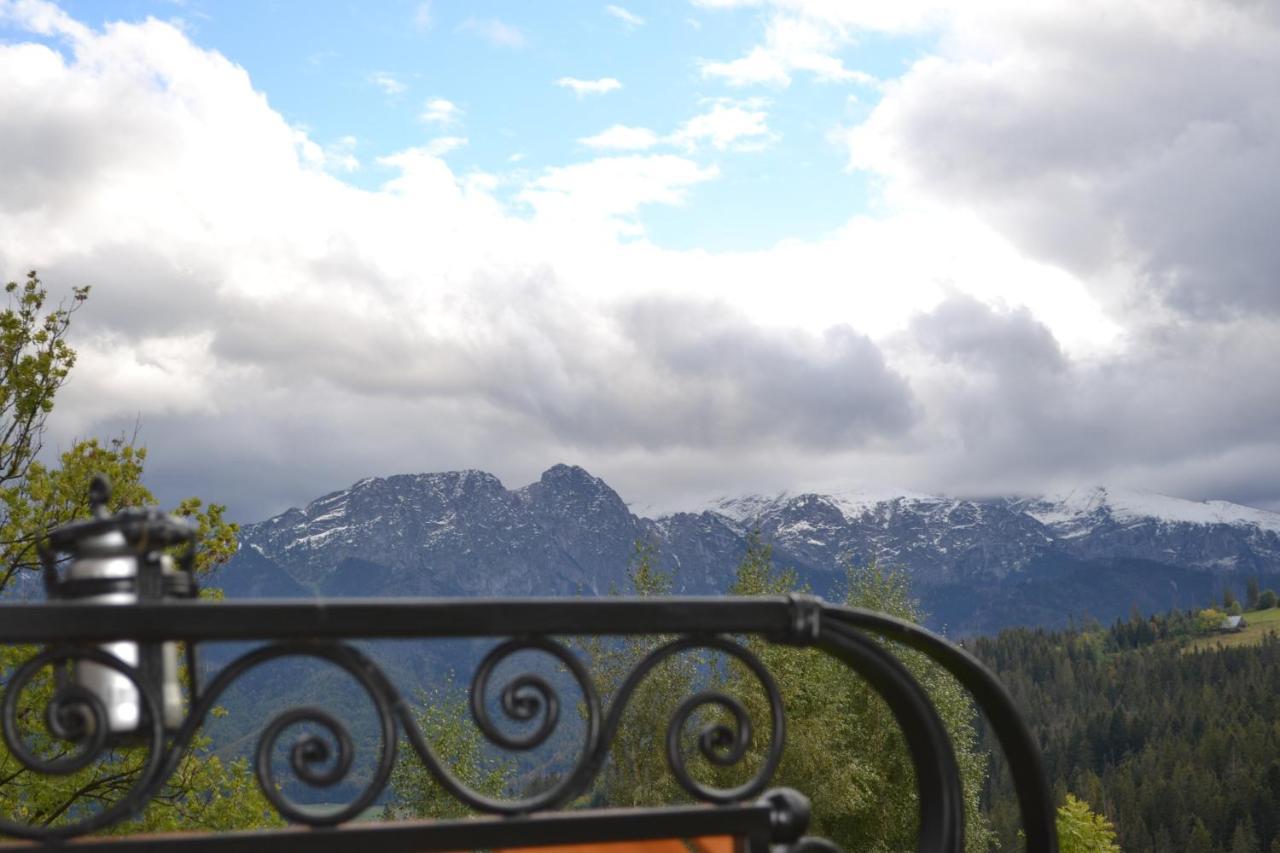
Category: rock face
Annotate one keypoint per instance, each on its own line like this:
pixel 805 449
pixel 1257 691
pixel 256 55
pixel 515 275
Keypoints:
pixel 977 564
pixel 456 533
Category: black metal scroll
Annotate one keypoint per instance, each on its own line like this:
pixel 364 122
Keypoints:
pixel 322 630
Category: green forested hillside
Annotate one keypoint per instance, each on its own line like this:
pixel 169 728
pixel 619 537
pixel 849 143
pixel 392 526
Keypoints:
pixel 1180 747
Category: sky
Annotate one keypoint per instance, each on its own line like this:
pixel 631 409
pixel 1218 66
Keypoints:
pixel 699 248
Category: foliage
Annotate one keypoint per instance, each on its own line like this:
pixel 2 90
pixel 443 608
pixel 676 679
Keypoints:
pixel 1228 597
pixel 1175 748
pixel 1252 593
pixel 1080 830
pixel 35 361
pixel 1244 839
pixel 636 772
pixel 1209 620
pixel 844 749
pixel 446 723
pixel 1266 600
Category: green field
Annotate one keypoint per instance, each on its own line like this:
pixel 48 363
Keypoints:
pixel 1260 622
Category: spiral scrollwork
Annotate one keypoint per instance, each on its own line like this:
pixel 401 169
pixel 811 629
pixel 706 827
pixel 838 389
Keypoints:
pixel 311 758
pixel 524 699
pixel 721 744
pixel 75 716
pixel 319 760
pixel 54 723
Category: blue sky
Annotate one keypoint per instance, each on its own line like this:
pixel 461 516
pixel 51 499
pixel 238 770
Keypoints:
pixel 365 71
pixel 699 248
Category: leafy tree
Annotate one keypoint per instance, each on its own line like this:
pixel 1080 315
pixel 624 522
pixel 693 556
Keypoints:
pixel 446 723
pixel 1080 830
pixel 1209 620
pixel 843 746
pixel 637 772
pixel 1267 599
pixel 35 362
pixel 844 749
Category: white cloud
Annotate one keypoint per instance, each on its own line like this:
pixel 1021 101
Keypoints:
pixel 589 87
pixel 442 145
pixel 494 31
pixel 441 111
pixel 422 17
pixel 260 312
pixel 725 126
pixel 43 18
pixel 620 137
pixel 608 190
pixel 389 83
pixel 340 155
pixel 631 19
pixel 849 17
pixel 791 44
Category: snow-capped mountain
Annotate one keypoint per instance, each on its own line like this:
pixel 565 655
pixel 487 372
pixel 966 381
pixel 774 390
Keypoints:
pixel 1213 535
pixel 455 533
pixel 975 563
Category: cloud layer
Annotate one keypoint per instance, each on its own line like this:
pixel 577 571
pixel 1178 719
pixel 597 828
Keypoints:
pixel 1070 279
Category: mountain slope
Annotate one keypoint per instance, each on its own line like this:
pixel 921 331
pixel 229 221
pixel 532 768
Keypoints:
pixel 977 564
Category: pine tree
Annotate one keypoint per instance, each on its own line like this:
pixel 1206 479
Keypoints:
pixel 1252 593
pixel 1199 840
pixel 1244 839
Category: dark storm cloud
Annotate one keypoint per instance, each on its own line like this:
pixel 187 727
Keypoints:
pixel 1136 138
pixel 662 378
pixel 966 330
pixel 1180 410
pixel 652 373
pixel 743 381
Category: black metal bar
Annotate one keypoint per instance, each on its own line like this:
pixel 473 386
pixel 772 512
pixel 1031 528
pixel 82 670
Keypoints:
pixel 316 627
pixel 583 827
pixel 937 776
pixel 1018 744
pixel 392 618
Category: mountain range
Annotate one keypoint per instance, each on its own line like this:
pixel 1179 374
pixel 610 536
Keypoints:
pixel 976 564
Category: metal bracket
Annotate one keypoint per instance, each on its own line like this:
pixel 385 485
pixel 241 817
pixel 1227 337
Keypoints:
pixel 806 616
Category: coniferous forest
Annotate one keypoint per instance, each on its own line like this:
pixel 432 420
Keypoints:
pixel 1179 748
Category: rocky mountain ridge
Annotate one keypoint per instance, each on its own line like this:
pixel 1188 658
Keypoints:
pixel 975 563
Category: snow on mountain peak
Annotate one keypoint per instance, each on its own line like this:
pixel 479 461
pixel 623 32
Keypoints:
pixel 747 507
pixel 852 503
pixel 1136 505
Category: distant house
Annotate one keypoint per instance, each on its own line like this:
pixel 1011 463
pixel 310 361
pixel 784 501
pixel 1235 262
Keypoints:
pixel 1233 624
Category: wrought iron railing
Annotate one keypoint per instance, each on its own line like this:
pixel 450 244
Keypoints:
pixel 80 633
pixel 106 658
